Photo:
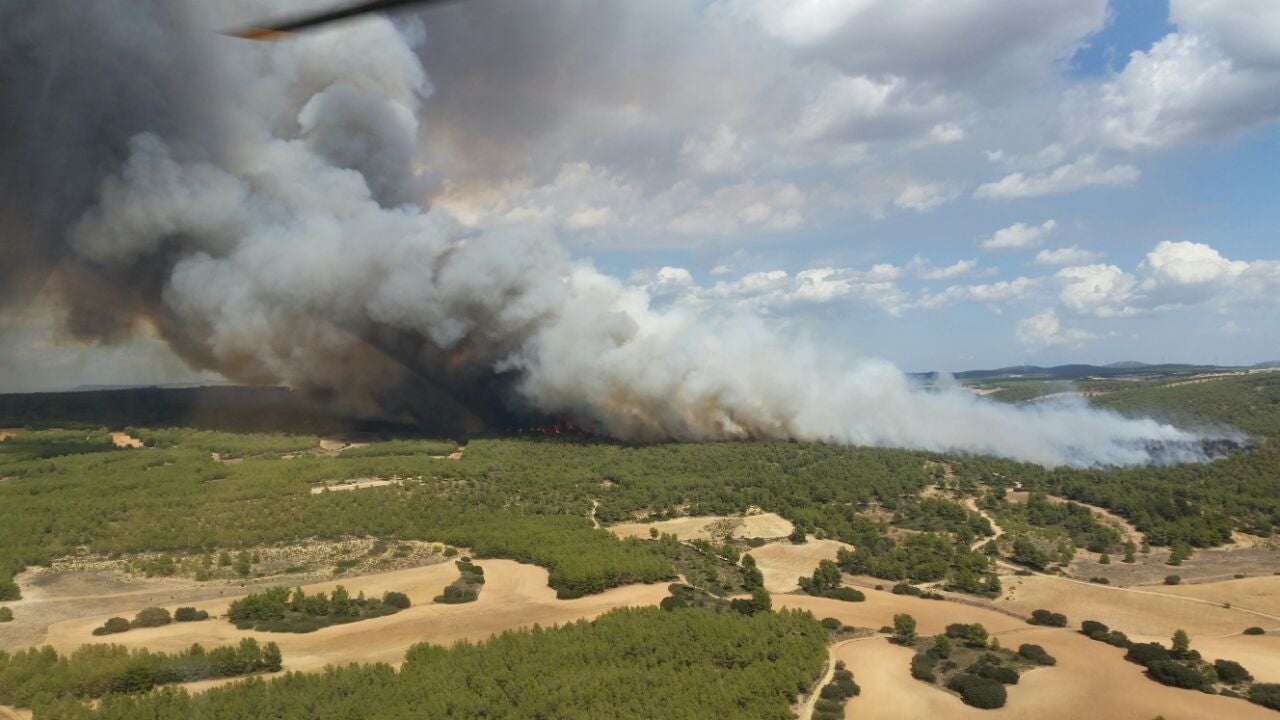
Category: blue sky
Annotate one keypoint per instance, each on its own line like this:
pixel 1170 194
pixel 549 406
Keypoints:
pixel 945 185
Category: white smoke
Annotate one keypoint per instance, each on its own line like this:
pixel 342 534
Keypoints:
pixel 307 232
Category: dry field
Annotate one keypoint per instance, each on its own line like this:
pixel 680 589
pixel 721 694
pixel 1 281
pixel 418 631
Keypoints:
pixel 9 432
pixel 90 585
pixel 354 484
pixel 763 525
pixel 1256 593
pixel 514 595
pixel 1091 680
pixel 783 563
pixel 1140 611
pixel 125 440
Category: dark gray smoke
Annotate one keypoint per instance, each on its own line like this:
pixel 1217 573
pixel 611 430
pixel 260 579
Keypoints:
pixel 262 207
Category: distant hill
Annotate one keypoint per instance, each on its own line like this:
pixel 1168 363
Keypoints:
pixel 1077 372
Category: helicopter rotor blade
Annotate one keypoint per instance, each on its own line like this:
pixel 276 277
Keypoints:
pixel 282 28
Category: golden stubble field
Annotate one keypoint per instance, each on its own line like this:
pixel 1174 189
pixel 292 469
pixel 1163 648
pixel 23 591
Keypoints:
pixel 514 595
pixel 1091 679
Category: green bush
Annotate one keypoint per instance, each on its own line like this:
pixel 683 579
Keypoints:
pixel 999 673
pixel 6 615
pixel 112 626
pixel 922 668
pixel 1047 618
pixel 1170 672
pixel 978 691
pixel 1266 694
pixel 1146 653
pixel 1231 672
pixel 151 617
pixel 1255 630
pixel 1093 627
pixel 396 600
pixel 189 614
pixel 1036 654
pixel 1172 579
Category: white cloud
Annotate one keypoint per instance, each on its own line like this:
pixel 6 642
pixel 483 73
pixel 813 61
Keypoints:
pixel 590 217
pixel 1019 235
pixel 921 267
pixel 1082 173
pixel 1098 290
pixel 1217 76
pixel 719 154
pixel 1231 327
pixel 991 294
pixel 861 108
pixel 1173 275
pixel 1074 255
pixel 722 270
pixel 923 196
pixel 771 207
pixel 777 291
pixel 1045 330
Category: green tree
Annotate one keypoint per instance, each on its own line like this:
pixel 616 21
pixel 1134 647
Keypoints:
pixel 1181 643
pixel 6 615
pixel 1129 550
pixel 271 659
pixel 904 629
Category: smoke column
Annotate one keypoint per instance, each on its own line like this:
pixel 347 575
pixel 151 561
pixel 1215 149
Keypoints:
pixel 260 206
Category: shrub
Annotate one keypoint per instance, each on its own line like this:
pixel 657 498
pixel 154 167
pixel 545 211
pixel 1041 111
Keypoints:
pixel 112 626
pixel 978 691
pixel 1176 674
pixel 999 673
pixel 189 614
pixel 847 594
pixel 922 668
pixel 1255 630
pixel 1266 694
pixel 1047 618
pixel 1036 654
pixel 1172 579
pixel 844 680
pixel 1093 627
pixel 1146 653
pixel 151 617
pixel 1116 638
pixel 6 615
pixel 831 623
pixel 1231 672
pixel 396 600
pixel 797 537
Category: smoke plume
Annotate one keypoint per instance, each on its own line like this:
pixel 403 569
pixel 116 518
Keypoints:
pixel 262 207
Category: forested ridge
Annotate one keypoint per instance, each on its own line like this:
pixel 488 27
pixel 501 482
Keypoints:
pixel 528 499
pixel 628 663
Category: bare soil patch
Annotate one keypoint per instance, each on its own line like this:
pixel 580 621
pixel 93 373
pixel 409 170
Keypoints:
pixel 783 564
pixel 762 525
pixel 125 440
pixel 354 484
pixel 8 433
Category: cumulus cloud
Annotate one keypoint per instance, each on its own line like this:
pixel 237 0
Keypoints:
pixel 1044 330
pixel 1172 275
pixel 921 267
pixel 991 294
pixel 1082 173
pixel 1215 77
pixel 923 196
pixel 1074 255
pixel 1019 235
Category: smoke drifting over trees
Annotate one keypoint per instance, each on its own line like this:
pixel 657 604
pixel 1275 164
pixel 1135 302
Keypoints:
pixel 261 206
